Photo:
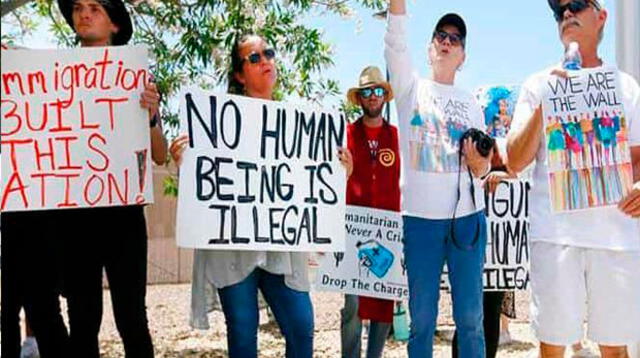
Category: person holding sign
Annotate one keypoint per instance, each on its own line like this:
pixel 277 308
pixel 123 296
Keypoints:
pixel 281 277
pixel 585 201
pixel 111 238
pixel 375 183
pixel 442 200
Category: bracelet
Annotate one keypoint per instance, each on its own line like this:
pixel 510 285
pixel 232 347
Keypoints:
pixel 154 121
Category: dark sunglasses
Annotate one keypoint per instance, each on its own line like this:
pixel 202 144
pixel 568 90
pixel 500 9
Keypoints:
pixel 455 39
pixel 377 91
pixel 574 6
pixel 255 57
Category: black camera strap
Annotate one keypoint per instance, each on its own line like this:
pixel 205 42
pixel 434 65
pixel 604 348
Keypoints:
pixel 472 190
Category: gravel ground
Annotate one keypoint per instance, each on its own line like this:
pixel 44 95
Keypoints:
pixel 168 310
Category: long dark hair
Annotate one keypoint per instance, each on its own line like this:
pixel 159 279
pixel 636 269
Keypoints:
pixel 235 87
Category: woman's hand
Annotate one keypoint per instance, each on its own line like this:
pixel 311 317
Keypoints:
pixel 493 179
pixel 178 147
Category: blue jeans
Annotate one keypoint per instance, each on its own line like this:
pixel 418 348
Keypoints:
pixel 292 309
pixel 351 331
pixel 428 245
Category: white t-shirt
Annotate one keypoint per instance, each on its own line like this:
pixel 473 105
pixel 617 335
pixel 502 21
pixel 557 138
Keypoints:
pixel 431 119
pixel 604 228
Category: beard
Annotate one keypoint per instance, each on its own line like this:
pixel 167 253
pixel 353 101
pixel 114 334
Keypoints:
pixel 372 112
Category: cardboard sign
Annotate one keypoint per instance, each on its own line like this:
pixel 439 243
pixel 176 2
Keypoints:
pixel 586 134
pixel 73 132
pixel 260 175
pixel 373 263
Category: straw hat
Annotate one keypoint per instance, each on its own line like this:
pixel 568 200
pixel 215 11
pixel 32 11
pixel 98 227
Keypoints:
pixel 370 77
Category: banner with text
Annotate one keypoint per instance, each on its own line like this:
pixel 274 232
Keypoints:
pixel 585 126
pixel 260 175
pixel 373 262
pixel 506 265
pixel 73 132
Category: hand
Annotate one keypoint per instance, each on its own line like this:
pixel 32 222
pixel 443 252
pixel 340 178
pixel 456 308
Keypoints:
pixel 177 148
pixel 493 179
pixel 630 205
pixel 150 99
pixel 474 159
pixel 560 72
pixel 346 159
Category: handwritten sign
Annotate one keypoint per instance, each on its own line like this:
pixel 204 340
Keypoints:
pixel 373 263
pixel 588 155
pixel 260 175
pixel 73 132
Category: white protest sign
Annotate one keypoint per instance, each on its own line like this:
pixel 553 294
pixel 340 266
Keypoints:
pixel 586 136
pixel 506 263
pixel 73 132
pixel 373 262
pixel 260 175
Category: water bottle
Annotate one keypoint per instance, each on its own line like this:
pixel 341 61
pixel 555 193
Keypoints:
pixel 572 58
pixel 377 258
pixel 400 323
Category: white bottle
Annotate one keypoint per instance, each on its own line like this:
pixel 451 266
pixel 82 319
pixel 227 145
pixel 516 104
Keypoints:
pixel 572 58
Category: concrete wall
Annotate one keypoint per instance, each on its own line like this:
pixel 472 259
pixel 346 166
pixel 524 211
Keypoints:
pixel 167 263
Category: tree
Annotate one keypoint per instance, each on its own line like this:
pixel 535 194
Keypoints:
pixel 190 41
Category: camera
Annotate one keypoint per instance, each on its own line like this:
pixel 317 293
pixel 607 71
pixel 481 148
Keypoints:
pixel 484 143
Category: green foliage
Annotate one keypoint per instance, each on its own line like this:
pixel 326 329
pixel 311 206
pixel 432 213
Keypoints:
pixel 190 41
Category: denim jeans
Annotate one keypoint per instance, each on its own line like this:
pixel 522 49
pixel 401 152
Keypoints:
pixel 292 309
pixel 428 245
pixel 351 332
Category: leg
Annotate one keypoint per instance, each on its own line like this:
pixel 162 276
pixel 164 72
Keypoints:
pixel 424 255
pixel 240 306
pixel 126 267
pixel 492 312
pixel 613 295
pixel 41 290
pixel 83 284
pixel 557 309
pixel 12 282
pixel 378 333
pixel 614 351
pixel 551 351
pixel 293 312
pixel 350 328
pixel 465 274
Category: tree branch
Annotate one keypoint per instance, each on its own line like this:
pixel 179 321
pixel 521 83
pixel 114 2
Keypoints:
pixel 9 6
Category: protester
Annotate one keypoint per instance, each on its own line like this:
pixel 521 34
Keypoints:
pixel 433 116
pixel 282 277
pixel 375 183
pixel 586 255
pixel 113 239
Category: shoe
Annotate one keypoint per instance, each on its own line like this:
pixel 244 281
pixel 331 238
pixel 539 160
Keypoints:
pixel 29 348
pixel 585 352
pixel 505 338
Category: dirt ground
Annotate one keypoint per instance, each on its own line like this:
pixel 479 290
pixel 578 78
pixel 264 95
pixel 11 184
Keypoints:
pixel 168 310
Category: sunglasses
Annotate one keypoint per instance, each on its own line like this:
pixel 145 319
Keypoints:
pixel 455 39
pixel 377 91
pixel 574 6
pixel 255 57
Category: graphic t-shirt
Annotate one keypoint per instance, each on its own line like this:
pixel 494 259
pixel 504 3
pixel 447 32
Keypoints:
pixel 575 162
pixel 432 118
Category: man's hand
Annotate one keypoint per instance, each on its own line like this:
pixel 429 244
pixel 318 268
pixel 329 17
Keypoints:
pixel 344 154
pixel 476 162
pixel 630 205
pixel 150 99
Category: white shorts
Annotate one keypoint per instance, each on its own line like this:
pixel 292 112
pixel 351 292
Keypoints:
pixel 572 284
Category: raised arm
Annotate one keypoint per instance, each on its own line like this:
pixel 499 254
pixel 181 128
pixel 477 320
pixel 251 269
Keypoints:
pixel 396 52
